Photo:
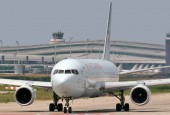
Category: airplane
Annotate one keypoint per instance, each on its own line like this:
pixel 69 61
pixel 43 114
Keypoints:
pixel 77 78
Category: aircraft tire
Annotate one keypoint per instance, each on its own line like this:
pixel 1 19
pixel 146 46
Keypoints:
pixel 126 107
pixel 65 109
pixel 70 110
pixel 60 107
pixel 51 107
pixel 118 107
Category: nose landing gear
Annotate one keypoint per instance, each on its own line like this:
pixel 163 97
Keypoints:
pixel 59 106
pixel 67 109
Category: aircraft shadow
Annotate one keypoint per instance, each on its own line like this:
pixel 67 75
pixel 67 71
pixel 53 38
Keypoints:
pixel 113 110
pixel 100 111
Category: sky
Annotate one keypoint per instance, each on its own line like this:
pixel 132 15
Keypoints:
pixel 33 21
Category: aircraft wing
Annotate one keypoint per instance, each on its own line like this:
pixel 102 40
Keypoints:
pixel 141 70
pixel 129 84
pixel 25 82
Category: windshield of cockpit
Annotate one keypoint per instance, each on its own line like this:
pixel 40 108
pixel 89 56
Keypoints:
pixel 69 71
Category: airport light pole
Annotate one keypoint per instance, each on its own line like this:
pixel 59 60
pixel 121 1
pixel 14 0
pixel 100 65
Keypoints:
pixel 99 48
pixel 1 45
pixel 87 47
pixel 1 50
pixel 71 38
pixel 17 49
pixel 114 57
pixel 91 50
pixel 17 46
pixel 55 52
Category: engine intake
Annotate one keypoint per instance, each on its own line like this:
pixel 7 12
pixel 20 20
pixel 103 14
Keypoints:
pixel 25 95
pixel 140 95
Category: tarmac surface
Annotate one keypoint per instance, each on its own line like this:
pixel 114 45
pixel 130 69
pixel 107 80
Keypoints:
pixel 158 105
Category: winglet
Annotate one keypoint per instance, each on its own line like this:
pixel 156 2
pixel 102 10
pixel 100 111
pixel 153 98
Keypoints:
pixel 106 53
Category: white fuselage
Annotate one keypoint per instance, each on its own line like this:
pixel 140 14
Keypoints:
pixel 77 78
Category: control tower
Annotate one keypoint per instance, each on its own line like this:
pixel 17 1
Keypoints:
pixel 57 37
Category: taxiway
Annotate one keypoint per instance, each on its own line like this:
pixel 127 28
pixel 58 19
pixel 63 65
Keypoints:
pixel 158 105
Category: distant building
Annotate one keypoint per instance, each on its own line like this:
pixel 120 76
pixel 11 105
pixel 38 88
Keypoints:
pixel 57 37
pixel 167 42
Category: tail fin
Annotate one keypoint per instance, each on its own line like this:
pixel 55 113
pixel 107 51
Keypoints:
pixel 106 53
pixel 135 67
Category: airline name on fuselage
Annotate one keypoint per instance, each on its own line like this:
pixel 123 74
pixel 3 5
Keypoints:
pixel 93 66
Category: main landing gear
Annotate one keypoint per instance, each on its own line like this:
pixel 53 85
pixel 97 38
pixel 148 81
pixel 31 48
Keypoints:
pixel 122 105
pixel 55 104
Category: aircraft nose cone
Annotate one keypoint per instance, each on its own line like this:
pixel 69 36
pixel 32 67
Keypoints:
pixel 66 86
pixel 60 84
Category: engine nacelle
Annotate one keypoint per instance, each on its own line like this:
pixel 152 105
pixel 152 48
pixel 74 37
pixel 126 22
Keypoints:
pixel 25 95
pixel 140 95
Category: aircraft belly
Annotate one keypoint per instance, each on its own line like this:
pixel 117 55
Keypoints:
pixel 91 90
pixel 92 93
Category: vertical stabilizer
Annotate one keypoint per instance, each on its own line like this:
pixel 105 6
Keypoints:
pixel 106 52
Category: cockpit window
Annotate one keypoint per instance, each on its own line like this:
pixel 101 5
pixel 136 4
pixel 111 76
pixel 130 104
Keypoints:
pixel 67 71
pixel 74 71
pixel 70 71
pixel 58 71
pixel 55 72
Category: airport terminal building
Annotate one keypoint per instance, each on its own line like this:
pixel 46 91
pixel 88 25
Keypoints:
pixel 122 52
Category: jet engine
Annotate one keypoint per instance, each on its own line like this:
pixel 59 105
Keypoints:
pixel 25 95
pixel 140 95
